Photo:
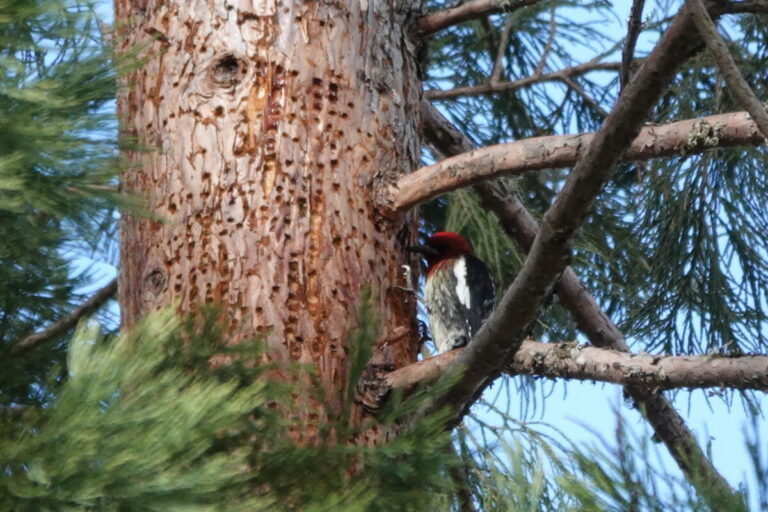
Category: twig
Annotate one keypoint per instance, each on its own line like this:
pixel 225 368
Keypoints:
pixel 467 11
pixel 667 424
pixel 33 341
pixel 489 33
pixel 685 137
pixel 460 479
pixel 550 40
pixel 493 87
pixel 586 97
pixel 716 46
pixel 549 254
pixel 634 25
pixel 500 51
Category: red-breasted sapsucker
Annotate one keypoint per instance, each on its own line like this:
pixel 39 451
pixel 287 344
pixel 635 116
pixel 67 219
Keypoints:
pixel 459 292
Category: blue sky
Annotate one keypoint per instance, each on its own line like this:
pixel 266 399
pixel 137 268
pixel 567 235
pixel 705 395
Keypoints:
pixel 587 411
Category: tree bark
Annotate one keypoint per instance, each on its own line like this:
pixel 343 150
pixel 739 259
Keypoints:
pixel 583 362
pixel 667 424
pixel 690 136
pixel 267 129
pixel 502 333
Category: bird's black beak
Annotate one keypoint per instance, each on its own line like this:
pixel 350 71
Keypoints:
pixel 423 249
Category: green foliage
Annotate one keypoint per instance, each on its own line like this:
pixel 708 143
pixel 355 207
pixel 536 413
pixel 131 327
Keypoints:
pixel 519 466
pixel 621 476
pixel 141 424
pixel 57 147
pixel 674 250
pixel 701 222
pixel 512 468
pixel 143 421
pixel 128 432
pixel 58 170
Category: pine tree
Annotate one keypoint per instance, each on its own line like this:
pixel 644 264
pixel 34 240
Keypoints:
pixel 265 167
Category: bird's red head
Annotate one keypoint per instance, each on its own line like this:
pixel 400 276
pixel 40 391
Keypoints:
pixel 441 246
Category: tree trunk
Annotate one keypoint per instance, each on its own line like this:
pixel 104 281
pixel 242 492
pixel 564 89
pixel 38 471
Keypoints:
pixel 268 129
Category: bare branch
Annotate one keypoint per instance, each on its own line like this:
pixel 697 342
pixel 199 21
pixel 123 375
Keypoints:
pixel 500 51
pixel 501 335
pixel 492 86
pixel 550 41
pixel 634 25
pixel 716 46
pixel 573 361
pixel 667 424
pixel 582 362
pixel 559 151
pixel 746 6
pixel 33 341
pixel 467 11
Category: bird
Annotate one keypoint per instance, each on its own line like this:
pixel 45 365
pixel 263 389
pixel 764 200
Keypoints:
pixel 459 292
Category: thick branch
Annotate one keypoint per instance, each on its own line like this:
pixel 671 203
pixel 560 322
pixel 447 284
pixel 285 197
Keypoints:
pixel 467 11
pixel 66 323
pixel 667 424
pixel 559 151
pixel 572 361
pixel 537 78
pixel 580 362
pixel 501 335
pixel 716 46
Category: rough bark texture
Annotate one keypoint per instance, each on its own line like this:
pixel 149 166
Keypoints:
pixel 582 362
pixel 727 65
pixel 269 124
pixel 667 424
pixel 558 151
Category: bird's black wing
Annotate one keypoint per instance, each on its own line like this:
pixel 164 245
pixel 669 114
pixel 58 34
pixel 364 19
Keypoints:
pixel 483 293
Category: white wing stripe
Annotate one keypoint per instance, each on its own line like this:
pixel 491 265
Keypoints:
pixel 462 287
